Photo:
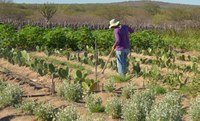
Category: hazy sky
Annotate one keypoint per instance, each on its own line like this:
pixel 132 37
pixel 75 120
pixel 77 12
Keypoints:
pixel 193 2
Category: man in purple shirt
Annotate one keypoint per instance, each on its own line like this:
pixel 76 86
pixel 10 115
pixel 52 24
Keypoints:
pixel 121 45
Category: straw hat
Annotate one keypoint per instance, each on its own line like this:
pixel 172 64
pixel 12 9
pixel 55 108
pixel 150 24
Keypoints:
pixel 113 23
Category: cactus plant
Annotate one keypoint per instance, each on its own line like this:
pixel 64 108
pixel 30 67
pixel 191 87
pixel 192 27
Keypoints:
pixel 63 73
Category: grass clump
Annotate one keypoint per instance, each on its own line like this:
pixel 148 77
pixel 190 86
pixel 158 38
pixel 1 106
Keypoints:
pixel 194 110
pixel 119 78
pixel 94 103
pixel 157 89
pixel 168 109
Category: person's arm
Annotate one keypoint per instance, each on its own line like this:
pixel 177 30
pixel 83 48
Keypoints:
pixel 130 30
pixel 117 38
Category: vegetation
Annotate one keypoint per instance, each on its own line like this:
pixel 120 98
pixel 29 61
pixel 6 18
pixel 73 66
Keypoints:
pixel 94 103
pixel 158 69
pixel 9 95
pixel 71 91
pixel 169 108
pixel 138 106
pixel 67 114
pixel 109 86
pixel 114 107
pixel 194 109
pixel 128 90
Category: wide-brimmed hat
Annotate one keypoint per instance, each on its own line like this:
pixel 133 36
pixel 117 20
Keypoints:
pixel 113 23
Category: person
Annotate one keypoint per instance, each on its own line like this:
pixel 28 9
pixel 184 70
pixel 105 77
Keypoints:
pixel 121 45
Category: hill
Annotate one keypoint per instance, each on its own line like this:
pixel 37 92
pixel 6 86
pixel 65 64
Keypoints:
pixel 161 4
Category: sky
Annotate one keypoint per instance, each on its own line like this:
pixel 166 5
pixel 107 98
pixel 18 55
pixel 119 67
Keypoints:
pixel 192 2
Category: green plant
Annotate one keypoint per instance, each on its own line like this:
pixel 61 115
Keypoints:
pixel 67 114
pixel 168 109
pixel 80 76
pixel 9 95
pixel 29 36
pixel 55 38
pixel 89 85
pixel 114 107
pixel 119 78
pixel 71 91
pixel 138 106
pixel 44 112
pixel 194 109
pixel 173 79
pixel 63 72
pixel 109 86
pixel 128 90
pixel 94 103
pixel 29 107
pixel 157 89
pixel 136 68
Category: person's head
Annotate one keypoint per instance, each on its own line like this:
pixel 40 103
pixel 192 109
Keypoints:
pixel 114 23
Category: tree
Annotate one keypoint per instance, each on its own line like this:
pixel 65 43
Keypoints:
pixel 48 11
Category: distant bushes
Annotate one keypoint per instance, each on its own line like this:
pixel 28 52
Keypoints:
pixel 30 37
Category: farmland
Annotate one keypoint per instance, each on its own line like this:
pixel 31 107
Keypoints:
pixel 54 73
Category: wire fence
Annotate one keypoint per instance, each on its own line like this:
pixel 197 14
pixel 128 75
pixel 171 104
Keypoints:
pixel 18 24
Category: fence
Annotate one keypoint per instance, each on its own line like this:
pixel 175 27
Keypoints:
pixel 177 26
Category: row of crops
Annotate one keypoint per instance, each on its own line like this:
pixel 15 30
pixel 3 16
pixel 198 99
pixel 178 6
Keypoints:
pixel 179 75
pixel 42 67
pixel 164 70
pixel 139 106
pixel 30 37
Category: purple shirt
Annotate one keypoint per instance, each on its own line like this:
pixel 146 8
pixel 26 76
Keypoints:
pixel 122 37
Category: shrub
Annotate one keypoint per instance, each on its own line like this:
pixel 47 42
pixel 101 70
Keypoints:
pixel 114 107
pixel 29 106
pixel 7 35
pixel 29 36
pixel 147 39
pixel 9 95
pixel 55 38
pixel 67 114
pixel 138 106
pixel 71 92
pixel 44 112
pixel 109 86
pixel 128 90
pixel 194 110
pixel 168 109
pixel 94 103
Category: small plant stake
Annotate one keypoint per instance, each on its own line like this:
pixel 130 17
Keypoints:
pixel 96 63
pixel 52 71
